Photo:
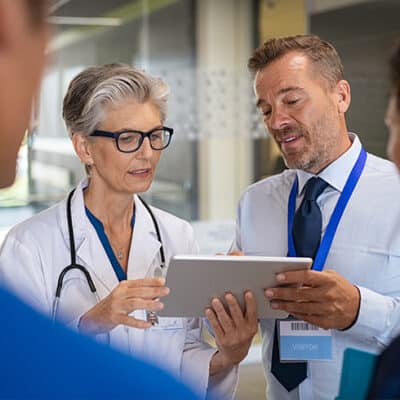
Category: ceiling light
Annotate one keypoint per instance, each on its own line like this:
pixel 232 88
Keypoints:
pixel 92 21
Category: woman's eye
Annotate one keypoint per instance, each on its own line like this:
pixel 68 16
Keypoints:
pixel 155 137
pixel 126 138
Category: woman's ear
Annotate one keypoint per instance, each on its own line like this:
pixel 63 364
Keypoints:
pixel 342 91
pixel 82 148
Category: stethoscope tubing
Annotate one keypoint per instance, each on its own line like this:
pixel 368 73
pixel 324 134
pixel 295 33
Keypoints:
pixel 74 265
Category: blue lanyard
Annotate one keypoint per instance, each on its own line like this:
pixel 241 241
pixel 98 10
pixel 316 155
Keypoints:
pixel 334 221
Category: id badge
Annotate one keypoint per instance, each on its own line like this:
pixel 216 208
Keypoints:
pixel 169 324
pixel 302 341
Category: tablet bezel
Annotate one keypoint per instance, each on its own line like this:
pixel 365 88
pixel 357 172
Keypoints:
pixel 194 280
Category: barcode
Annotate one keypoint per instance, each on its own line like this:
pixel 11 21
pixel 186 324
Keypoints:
pixel 302 326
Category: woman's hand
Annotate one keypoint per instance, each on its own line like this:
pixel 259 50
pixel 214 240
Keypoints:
pixel 129 295
pixel 234 331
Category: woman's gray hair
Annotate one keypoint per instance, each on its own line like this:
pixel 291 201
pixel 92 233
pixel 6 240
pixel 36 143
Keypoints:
pixel 93 88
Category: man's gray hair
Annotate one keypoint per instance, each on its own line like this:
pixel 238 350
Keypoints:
pixel 95 87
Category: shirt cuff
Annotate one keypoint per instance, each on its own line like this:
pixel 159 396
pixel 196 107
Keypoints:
pixel 220 386
pixel 373 316
pixel 224 384
pixel 357 314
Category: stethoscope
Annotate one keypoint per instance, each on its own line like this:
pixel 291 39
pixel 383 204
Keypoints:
pixel 150 315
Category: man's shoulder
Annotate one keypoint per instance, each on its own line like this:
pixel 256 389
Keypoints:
pixel 280 183
pixel 380 165
pixel 381 175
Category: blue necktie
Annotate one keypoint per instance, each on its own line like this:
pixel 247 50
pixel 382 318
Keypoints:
pixel 307 226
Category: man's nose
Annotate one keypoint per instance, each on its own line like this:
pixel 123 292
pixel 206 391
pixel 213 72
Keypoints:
pixel 278 120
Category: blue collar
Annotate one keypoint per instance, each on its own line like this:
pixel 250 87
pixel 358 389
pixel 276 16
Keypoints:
pixel 98 226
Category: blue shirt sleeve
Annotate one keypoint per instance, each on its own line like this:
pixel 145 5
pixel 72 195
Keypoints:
pixel 42 360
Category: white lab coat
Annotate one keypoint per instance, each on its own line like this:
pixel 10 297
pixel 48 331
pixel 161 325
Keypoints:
pixel 36 251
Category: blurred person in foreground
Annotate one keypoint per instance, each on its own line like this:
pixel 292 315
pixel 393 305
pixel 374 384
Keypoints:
pixel 386 380
pixel 40 360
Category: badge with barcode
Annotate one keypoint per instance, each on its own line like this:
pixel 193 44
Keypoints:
pixel 301 341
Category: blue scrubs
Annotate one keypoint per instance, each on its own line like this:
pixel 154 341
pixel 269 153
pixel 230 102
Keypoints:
pixel 45 361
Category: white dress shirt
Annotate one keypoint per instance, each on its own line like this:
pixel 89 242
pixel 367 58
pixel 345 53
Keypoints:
pixel 365 250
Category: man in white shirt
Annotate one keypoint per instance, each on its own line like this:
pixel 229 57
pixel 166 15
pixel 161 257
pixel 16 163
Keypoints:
pixel 354 287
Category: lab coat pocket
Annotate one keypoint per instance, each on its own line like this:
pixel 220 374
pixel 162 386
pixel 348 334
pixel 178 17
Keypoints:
pixel 165 343
pixel 169 324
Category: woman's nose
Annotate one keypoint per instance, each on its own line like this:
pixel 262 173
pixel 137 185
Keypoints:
pixel 145 149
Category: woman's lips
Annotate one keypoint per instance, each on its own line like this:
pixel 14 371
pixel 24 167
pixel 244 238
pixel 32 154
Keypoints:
pixel 140 172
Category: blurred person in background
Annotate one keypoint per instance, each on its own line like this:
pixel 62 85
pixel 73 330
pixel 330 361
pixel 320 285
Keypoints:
pixel 386 380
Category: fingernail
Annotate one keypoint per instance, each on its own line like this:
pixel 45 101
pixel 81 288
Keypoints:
pixel 280 277
pixel 269 293
pixel 214 302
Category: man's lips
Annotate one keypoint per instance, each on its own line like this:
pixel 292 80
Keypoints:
pixel 288 139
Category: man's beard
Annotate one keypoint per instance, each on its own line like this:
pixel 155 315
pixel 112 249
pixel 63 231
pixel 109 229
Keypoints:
pixel 316 150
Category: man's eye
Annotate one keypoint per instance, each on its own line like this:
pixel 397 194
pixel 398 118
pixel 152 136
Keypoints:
pixel 266 113
pixel 292 101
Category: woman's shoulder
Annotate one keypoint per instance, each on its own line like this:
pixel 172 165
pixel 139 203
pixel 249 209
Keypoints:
pixel 166 218
pixel 40 224
pixel 177 234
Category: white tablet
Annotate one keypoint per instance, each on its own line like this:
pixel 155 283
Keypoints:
pixel 195 280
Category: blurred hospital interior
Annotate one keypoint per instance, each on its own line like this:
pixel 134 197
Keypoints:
pixel 200 48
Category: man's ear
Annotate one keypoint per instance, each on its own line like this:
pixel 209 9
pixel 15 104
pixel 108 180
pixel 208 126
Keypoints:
pixel 343 96
pixel 82 148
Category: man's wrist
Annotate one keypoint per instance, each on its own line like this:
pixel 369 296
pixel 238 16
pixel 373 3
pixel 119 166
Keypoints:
pixel 357 312
pixel 219 363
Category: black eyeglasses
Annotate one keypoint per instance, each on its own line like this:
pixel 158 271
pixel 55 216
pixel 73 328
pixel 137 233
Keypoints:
pixel 129 141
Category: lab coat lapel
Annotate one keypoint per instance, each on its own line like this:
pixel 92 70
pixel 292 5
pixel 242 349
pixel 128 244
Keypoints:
pixel 89 250
pixel 144 246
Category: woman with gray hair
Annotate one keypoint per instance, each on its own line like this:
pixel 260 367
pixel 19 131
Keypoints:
pixel 114 245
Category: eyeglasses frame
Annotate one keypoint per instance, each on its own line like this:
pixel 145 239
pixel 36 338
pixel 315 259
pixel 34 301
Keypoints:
pixel 116 135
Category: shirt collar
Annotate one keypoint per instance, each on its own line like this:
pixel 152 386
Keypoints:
pixel 336 173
